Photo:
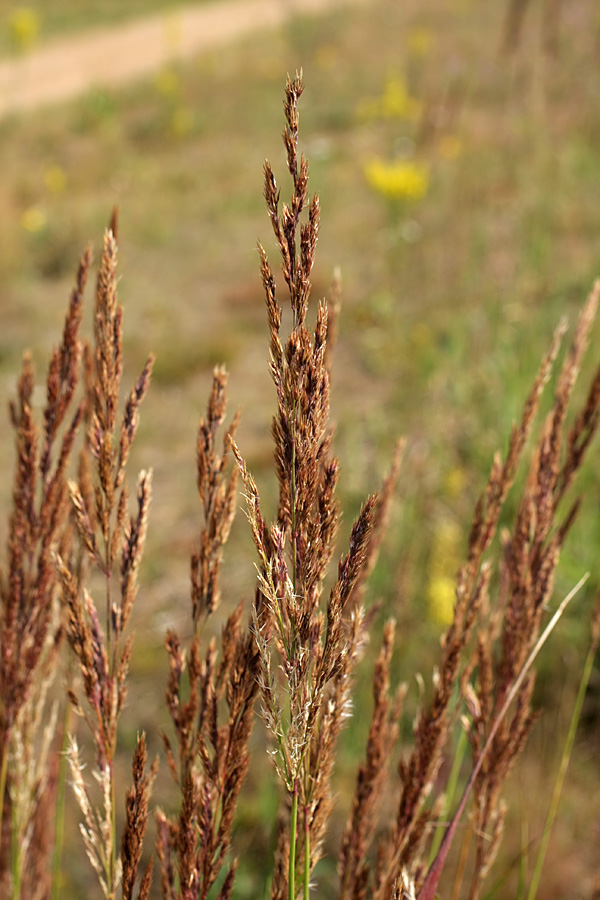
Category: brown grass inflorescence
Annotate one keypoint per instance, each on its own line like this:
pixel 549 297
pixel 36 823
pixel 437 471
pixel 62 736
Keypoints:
pixel 294 652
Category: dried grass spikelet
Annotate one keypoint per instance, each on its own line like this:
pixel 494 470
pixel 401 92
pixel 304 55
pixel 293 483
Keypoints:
pixel 136 823
pixel 96 827
pixel 30 631
pixel 218 500
pixel 210 693
pixel 372 775
pixel 32 756
pixel 112 540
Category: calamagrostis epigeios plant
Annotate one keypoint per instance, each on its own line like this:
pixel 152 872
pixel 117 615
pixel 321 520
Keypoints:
pixel 113 542
pixel 307 649
pixel 30 622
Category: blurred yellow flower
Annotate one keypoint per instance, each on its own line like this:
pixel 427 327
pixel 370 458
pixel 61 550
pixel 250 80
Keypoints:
pixel 443 567
pixel 55 179
pixel 441 599
pixel 398 180
pixel 182 122
pixel 455 481
pixel 420 41
pixel 449 146
pixel 395 103
pixel 167 82
pixel 34 219
pixel 23 28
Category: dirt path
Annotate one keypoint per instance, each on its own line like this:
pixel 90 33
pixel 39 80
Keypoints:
pixel 70 66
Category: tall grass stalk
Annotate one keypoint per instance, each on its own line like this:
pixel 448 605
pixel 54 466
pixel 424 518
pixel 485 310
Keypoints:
pixel 60 807
pixel 453 779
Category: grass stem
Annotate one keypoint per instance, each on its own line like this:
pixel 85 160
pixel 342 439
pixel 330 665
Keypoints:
pixel 293 835
pixel 59 828
pixel 3 774
pixel 459 755
pixel 306 855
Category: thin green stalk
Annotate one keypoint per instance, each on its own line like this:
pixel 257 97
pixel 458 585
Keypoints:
pixel 15 860
pixel 306 855
pixel 113 856
pixel 293 830
pixel 523 861
pixel 562 771
pixel 459 755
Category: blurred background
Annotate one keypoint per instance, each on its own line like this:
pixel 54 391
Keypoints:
pixel 455 145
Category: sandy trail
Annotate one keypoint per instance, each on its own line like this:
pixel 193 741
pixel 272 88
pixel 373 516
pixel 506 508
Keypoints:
pixel 109 57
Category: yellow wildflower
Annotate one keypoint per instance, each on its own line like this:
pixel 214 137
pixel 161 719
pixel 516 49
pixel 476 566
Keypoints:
pixel 33 219
pixel 397 103
pixel 55 179
pixel 455 481
pixel 398 180
pixel 445 561
pixel 420 41
pixel 441 599
pixel 167 82
pixel 23 28
pixel 182 122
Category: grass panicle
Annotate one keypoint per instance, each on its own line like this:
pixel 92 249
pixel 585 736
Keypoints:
pixel 30 624
pixel 211 693
pixel 113 542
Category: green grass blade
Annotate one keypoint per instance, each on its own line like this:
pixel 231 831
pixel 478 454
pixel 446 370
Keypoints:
pixel 459 755
pixel 562 771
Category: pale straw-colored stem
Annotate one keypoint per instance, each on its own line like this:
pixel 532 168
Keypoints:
pixel 3 776
pixel 293 830
pixel 60 807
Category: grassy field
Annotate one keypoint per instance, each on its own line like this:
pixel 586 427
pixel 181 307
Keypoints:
pixel 453 285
